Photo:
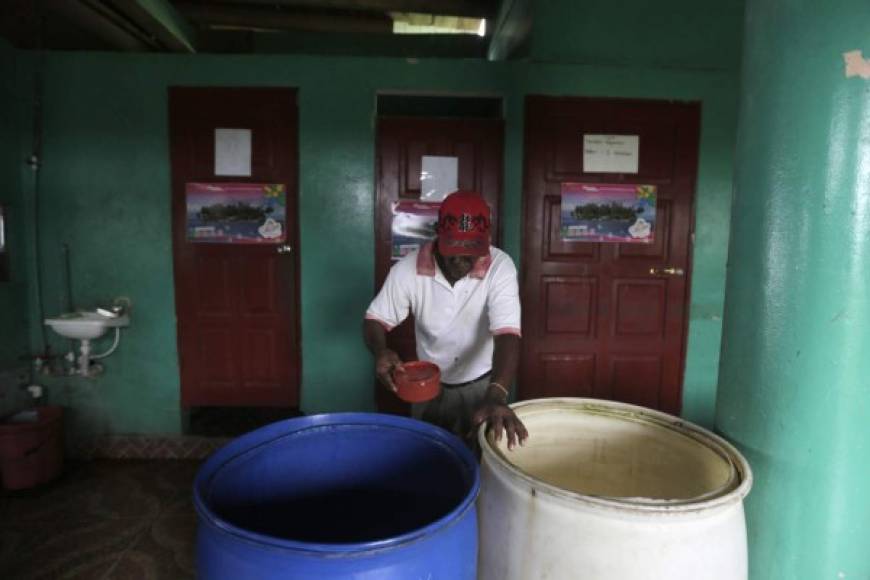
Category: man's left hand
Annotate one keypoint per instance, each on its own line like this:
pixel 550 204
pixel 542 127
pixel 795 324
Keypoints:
pixel 500 417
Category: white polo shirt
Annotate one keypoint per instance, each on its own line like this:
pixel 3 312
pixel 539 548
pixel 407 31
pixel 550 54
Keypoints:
pixel 454 325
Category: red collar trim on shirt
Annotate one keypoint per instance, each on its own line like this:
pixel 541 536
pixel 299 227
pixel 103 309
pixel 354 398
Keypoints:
pixel 426 265
pixel 426 260
pixel 481 267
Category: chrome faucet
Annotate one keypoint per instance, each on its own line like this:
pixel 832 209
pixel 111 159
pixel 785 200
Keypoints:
pixel 111 311
pixel 119 307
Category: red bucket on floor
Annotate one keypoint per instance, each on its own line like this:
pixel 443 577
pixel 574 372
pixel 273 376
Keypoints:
pixel 31 452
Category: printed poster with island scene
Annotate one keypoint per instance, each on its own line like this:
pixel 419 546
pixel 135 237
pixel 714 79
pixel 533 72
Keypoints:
pixel 413 225
pixel 600 212
pixel 236 213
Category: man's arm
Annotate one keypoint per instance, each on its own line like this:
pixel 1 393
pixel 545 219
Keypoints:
pixel 494 409
pixel 389 308
pixel 386 359
pixel 505 359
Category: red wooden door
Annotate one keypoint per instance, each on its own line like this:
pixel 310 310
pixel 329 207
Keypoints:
pixel 236 304
pixel 401 144
pixel 607 320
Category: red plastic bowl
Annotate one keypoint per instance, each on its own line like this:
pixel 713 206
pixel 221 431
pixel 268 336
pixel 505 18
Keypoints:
pixel 420 381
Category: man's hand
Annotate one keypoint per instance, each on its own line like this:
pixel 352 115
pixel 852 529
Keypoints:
pixel 386 363
pixel 386 360
pixel 495 412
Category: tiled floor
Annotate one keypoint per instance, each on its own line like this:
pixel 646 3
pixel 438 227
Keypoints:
pixel 102 520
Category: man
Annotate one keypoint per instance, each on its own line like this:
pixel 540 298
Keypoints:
pixel 464 296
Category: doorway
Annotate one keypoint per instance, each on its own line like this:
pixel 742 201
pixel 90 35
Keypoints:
pixel 606 319
pixel 236 271
pixel 462 132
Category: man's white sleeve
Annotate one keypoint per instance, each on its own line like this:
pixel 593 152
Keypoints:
pixel 393 303
pixel 503 301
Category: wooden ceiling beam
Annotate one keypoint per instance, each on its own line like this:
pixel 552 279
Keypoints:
pixel 103 23
pixel 160 19
pixel 241 18
pixel 511 29
pixel 466 8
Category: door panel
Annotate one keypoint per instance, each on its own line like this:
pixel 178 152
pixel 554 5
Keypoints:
pixel 567 372
pixel 635 379
pixel 639 309
pixel 236 304
pixel 597 321
pixel 401 144
pixel 569 304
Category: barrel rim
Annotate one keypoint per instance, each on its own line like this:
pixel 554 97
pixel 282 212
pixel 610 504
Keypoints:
pixel 258 438
pixel 625 410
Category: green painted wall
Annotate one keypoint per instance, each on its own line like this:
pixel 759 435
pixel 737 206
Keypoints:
pixel 683 34
pixel 793 391
pixel 14 341
pixel 106 187
pixel 105 193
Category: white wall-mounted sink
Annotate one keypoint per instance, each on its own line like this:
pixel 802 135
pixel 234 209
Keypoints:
pixel 85 325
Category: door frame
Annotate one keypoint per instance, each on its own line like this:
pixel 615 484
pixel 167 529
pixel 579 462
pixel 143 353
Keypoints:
pixel 178 210
pixel 385 402
pixel 696 110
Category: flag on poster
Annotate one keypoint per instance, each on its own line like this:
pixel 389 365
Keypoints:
pixel 597 212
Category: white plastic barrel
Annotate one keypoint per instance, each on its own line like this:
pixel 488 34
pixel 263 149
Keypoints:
pixel 609 491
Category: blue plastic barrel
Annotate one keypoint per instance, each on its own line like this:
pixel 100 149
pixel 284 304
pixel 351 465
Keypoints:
pixel 351 495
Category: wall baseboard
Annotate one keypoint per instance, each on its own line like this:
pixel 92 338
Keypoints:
pixel 147 447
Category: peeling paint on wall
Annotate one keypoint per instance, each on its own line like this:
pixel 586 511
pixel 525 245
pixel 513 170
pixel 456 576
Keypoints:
pixel 856 64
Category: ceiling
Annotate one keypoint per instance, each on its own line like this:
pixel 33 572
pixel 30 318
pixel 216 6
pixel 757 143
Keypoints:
pixel 360 27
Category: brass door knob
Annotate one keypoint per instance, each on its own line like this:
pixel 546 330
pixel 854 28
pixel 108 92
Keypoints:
pixel 667 272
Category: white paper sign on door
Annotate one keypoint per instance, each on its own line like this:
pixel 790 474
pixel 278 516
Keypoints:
pixel 438 177
pixel 232 152
pixel 610 153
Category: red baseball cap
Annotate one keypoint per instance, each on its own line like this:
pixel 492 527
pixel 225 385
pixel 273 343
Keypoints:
pixel 463 225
